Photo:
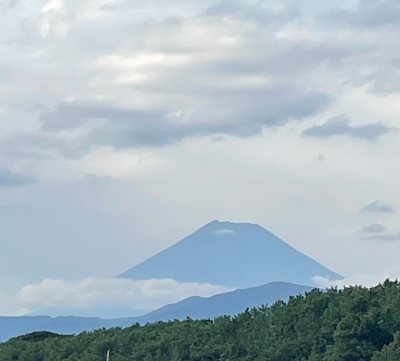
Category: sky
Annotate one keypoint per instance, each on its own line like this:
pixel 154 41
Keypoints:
pixel 126 125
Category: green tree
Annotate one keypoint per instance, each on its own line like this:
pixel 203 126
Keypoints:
pixel 389 352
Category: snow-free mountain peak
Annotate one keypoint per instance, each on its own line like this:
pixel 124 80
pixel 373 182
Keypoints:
pixel 231 254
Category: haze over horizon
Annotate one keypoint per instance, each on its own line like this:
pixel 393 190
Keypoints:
pixel 127 125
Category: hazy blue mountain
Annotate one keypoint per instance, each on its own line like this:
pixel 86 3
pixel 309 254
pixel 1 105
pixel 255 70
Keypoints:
pixel 229 303
pixel 237 255
pixel 15 326
pixel 90 312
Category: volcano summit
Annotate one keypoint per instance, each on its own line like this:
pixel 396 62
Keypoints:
pixel 239 255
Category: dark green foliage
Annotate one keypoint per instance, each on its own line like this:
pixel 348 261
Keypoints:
pixel 354 324
pixel 389 352
pixel 38 336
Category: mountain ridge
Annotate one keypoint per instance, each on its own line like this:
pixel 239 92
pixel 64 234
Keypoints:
pixel 227 303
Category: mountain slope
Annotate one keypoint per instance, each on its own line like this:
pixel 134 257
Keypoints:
pixel 237 255
pixel 230 303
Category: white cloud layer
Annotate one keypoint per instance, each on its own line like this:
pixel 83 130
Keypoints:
pixel 113 294
pixel 366 280
pixel 109 293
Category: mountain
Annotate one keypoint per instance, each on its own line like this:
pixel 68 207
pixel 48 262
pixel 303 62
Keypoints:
pixel 229 303
pixel 15 326
pixel 239 255
pixel 105 313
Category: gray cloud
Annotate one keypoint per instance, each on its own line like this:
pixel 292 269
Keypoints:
pixel 340 126
pixel 384 237
pixel 42 147
pixel 254 11
pixel 239 76
pixel 368 14
pixel 121 128
pixel 11 179
pixel 378 207
pixel 379 22
pixel 6 5
pixel 374 228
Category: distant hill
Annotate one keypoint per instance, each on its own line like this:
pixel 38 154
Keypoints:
pixel 15 326
pixel 229 303
pixel 236 255
pixel 106 313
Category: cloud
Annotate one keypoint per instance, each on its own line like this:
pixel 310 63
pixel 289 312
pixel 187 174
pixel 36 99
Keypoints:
pixel 369 14
pixel 99 124
pixel 384 237
pixel 374 228
pixel 6 5
pixel 369 17
pixel 225 231
pixel 11 179
pixel 340 126
pixel 234 76
pixel 366 280
pixel 254 11
pixel 108 293
pixel 379 207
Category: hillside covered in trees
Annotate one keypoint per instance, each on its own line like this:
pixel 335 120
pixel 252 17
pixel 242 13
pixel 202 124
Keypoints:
pixel 354 324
